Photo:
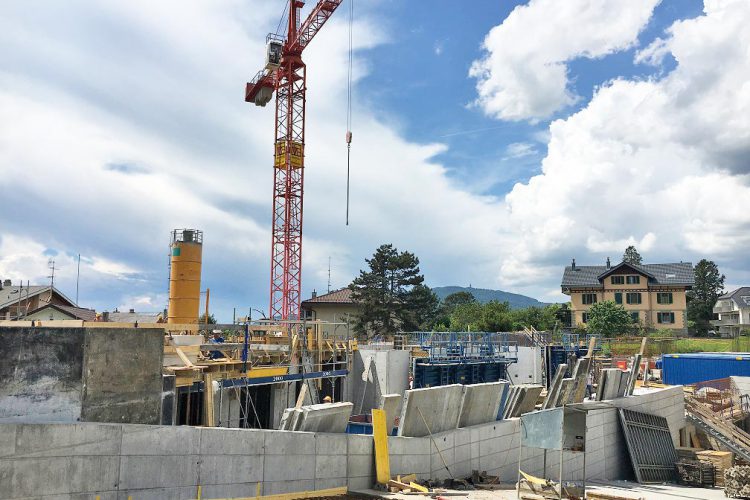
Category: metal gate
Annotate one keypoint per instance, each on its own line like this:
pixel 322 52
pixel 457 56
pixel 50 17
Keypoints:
pixel 650 446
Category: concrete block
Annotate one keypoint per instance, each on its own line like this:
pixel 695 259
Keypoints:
pixel 331 444
pixel 63 440
pixel 158 471
pixel 612 379
pixel 290 467
pixel 293 486
pixel 178 493
pixel 231 490
pixel 398 445
pixel 225 469
pixel 360 466
pixel 327 417
pixel 407 464
pixel 360 483
pixel 358 444
pixel 391 404
pixel 439 407
pixel 160 440
pixel 221 441
pixel 528 400
pixel 286 419
pixel 330 466
pixel 7 439
pixel 327 483
pixel 289 443
pixel 481 403
pixel 36 477
pixel 462 453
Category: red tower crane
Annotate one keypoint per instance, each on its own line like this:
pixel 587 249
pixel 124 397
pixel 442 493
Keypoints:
pixel 284 73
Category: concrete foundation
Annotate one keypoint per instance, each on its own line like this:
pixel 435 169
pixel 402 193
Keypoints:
pixel 169 463
pixel 481 403
pixel 438 407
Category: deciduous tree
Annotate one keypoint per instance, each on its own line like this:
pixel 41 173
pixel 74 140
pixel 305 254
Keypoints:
pixel 608 319
pixel 709 284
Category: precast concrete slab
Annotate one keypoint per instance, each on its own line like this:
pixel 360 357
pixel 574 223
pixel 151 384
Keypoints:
pixel 530 397
pixel 611 383
pixel 438 407
pixel 390 404
pixel 326 417
pixel 481 403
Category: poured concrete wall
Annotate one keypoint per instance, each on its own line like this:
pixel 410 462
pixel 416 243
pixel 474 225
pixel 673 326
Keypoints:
pixel 430 410
pixel 158 462
pixel 528 368
pixel 389 375
pixel 89 374
pixel 41 374
pixel 481 403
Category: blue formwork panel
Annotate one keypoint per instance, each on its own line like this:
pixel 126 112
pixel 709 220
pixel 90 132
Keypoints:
pixel 430 374
pixel 682 369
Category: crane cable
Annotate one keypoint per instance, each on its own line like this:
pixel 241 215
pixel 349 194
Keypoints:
pixel 349 107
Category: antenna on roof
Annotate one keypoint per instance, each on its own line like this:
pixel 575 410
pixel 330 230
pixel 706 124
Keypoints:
pixel 51 265
pixel 329 274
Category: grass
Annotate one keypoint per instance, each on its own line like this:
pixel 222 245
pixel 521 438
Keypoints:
pixel 655 347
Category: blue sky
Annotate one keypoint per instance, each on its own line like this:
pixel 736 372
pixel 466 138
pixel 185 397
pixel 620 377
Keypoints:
pixel 496 141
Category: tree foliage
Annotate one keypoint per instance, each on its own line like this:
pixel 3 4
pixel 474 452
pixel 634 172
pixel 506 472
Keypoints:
pixel 391 294
pixel 709 284
pixel 211 319
pixel 608 319
pixel 632 256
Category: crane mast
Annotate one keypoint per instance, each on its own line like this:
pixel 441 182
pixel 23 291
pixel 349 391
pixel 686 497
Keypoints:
pixel 285 74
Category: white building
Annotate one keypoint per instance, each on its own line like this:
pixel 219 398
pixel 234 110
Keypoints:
pixel 733 309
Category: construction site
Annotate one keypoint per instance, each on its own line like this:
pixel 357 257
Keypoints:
pixel 292 406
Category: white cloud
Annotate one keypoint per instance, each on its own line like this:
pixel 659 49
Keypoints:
pixel 523 74
pixel 664 158
pixel 519 150
pixel 653 54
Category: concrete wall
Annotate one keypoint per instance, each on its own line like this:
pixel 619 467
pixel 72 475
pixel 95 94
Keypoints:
pixel 89 374
pixel 156 462
pixel 389 374
pixel 41 374
pixel 528 369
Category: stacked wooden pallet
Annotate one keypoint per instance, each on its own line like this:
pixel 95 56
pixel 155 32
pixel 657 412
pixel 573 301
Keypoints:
pixel 721 460
pixel 737 482
pixel 696 473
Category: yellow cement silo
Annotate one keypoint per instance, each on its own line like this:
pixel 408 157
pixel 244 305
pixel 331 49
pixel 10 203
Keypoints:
pixel 186 252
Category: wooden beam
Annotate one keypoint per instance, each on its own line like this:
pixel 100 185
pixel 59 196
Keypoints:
pixel 208 401
pixel 301 397
pixel 380 435
pixel 186 361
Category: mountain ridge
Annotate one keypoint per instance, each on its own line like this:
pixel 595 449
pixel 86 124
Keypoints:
pixel 484 295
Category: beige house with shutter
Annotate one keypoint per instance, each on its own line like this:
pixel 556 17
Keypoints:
pixel 653 294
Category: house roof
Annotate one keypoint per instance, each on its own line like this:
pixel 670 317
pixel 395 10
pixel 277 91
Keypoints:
pixel 680 273
pixel 341 296
pixel 76 312
pixel 11 294
pixel 736 294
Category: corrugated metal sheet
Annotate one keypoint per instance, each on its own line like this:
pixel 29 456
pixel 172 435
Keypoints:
pixel 680 369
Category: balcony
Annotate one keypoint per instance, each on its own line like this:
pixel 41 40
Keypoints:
pixel 723 307
pixel 732 320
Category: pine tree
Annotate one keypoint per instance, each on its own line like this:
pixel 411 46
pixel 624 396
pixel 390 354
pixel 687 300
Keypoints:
pixel 709 284
pixel 391 295
pixel 632 256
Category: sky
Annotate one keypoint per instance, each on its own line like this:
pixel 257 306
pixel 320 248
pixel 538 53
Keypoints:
pixel 496 140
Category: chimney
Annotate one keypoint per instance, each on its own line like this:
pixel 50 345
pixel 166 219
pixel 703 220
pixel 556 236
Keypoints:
pixel 608 263
pixel 314 293
pixel 573 265
pixel 7 283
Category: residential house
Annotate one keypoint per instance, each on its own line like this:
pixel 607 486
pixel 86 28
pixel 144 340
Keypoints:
pixel 733 310
pixel 55 312
pixel 654 294
pixel 333 307
pixel 16 302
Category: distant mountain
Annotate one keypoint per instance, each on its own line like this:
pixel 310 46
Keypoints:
pixel 484 295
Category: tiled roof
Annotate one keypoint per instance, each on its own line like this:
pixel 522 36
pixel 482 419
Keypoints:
pixel 10 294
pixel 342 296
pixel 77 312
pixel 736 294
pixel 680 273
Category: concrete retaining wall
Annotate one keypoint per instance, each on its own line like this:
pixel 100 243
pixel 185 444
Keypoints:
pixel 159 462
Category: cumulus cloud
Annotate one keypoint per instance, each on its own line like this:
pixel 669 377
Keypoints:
pixel 519 150
pixel 663 158
pixel 523 74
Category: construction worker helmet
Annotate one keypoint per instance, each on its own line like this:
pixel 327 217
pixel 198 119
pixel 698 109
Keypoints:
pixel 327 399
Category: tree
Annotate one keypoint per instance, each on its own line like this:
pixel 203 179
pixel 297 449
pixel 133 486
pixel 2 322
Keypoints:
pixel 632 256
pixel 391 295
pixel 541 318
pixel 709 284
pixel 496 317
pixel 448 306
pixel 466 317
pixel 608 319
pixel 211 319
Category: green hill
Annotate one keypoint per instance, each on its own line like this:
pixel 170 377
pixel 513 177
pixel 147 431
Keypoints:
pixel 484 295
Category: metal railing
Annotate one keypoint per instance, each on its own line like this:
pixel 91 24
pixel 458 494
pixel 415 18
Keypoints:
pixel 464 346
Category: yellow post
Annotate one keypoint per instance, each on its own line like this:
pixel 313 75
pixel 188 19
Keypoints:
pixel 257 489
pixel 199 492
pixel 380 435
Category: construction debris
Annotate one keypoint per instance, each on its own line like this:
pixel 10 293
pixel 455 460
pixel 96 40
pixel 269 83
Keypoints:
pixel 696 473
pixel 737 482
pixel 720 460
